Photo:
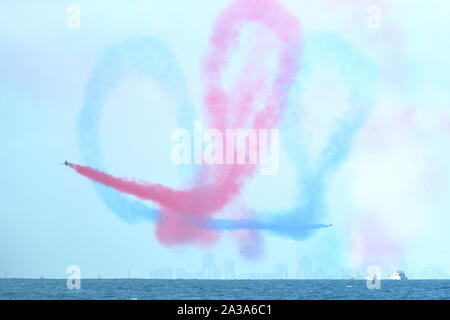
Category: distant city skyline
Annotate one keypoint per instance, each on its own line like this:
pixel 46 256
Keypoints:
pixel 210 269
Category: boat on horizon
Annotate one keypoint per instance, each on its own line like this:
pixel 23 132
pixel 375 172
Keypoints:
pixel 398 275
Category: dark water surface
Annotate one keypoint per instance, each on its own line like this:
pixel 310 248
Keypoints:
pixel 223 289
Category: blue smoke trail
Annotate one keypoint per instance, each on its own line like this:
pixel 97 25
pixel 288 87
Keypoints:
pixel 152 58
pixel 360 75
pixel 145 56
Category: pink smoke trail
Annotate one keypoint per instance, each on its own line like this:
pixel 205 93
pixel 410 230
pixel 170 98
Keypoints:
pixel 218 102
pixel 193 201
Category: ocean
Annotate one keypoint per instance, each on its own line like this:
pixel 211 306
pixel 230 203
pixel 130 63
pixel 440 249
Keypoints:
pixel 132 289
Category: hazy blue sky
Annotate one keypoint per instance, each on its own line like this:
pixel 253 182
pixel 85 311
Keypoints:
pixel 388 202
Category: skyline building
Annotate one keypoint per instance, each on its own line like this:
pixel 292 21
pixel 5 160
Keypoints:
pixel 305 270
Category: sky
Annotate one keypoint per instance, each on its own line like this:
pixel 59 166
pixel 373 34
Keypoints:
pixel 384 185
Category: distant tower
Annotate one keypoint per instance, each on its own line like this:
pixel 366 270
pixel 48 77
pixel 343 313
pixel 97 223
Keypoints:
pixel 305 268
pixel 320 273
pixel 208 265
pixel 229 272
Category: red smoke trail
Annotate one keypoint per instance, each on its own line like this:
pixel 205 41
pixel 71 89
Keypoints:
pixel 198 201
pixel 251 82
pixel 217 185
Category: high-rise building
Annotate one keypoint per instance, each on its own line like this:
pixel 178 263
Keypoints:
pixel 281 271
pixel 180 273
pixel 305 271
pixel 209 266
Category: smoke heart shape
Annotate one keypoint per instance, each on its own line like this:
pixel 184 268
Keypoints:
pixel 181 210
pixel 188 215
